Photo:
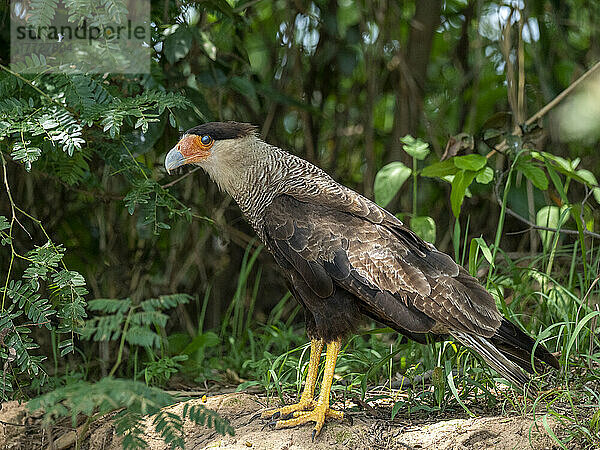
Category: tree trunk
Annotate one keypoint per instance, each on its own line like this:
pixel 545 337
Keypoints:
pixel 411 74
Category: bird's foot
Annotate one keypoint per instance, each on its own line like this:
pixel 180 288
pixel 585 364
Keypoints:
pixel 288 411
pixel 318 415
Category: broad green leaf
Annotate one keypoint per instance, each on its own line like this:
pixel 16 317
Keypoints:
pixel 470 162
pixel 485 175
pixel 415 147
pixel 534 174
pixel 548 216
pixel 203 340
pixel 440 169
pixel 592 182
pixel 462 180
pixel 424 227
pixel 388 182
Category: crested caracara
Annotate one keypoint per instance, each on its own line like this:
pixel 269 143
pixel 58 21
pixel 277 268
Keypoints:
pixel 344 258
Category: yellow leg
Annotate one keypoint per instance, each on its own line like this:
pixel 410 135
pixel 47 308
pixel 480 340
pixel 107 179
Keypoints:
pixel 306 399
pixel 321 409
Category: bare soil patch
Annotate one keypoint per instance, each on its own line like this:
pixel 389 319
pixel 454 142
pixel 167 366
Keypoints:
pixel 360 430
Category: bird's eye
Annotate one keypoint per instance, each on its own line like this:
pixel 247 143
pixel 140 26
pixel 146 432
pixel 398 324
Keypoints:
pixel 206 139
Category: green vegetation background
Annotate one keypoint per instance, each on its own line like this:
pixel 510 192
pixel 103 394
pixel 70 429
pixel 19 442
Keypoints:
pixel 117 280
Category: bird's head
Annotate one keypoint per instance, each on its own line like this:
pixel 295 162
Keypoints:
pixel 211 145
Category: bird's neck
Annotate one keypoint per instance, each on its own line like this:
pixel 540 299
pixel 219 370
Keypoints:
pixel 253 173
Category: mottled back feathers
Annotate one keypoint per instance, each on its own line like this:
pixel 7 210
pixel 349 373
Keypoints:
pixel 383 264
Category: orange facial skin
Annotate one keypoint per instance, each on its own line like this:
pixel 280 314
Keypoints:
pixel 192 148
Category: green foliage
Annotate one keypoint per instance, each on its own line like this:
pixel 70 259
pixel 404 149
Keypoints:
pixel 416 148
pixel 63 315
pixel 42 12
pixel 549 216
pixel 83 153
pixel 133 323
pixel 389 180
pixel 131 400
pixel 160 371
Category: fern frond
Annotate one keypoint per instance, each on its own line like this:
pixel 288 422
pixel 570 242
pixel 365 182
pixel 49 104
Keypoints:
pixel 84 94
pixel 25 296
pixel 165 302
pixel 130 426
pixel 170 427
pixel 133 400
pixel 201 415
pixel 110 305
pixel 30 64
pixel 17 338
pixel 41 14
pixel 149 318
pixel 69 170
pixel 142 336
pixel 103 328
pixel 5 238
pixel 23 152
pixel 107 395
pixel 116 10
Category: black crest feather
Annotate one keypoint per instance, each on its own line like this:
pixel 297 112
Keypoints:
pixel 223 130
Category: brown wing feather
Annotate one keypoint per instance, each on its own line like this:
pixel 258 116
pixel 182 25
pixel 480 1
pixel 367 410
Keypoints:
pixel 397 276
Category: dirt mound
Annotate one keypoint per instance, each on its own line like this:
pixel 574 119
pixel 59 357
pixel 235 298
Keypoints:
pixel 20 430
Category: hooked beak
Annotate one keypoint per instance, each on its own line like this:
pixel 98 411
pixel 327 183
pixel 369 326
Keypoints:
pixel 174 159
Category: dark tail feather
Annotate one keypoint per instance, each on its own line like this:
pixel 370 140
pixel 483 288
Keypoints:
pixel 508 351
pixel 493 356
pixel 517 346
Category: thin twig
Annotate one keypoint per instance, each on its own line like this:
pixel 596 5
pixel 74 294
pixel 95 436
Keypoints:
pixel 542 112
pixel 35 88
pixel 10 199
pixel 172 183
pixel 512 213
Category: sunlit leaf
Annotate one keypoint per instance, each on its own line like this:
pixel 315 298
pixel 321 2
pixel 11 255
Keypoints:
pixel 548 216
pixel 415 147
pixel 534 174
pixel 592 182
pixel 470 162
pixel 389 180
pixel 485 175
pixel 440 169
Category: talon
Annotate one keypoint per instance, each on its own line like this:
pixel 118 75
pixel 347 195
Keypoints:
pixel 271 424
pixel 254 417
pixel 314 433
